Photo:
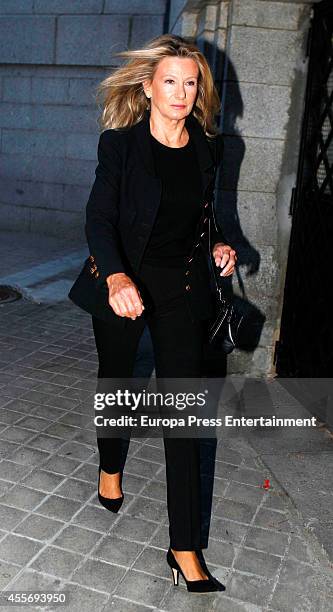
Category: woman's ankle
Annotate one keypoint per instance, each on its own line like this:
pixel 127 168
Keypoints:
pixel 188 553
pixel 110 473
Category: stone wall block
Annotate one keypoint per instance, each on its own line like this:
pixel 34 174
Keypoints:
pixel 27 39
pixel 91 40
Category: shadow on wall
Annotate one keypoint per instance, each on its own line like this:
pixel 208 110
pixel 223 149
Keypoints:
pixel 226 198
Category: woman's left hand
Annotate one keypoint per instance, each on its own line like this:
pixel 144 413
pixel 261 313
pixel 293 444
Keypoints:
pixel 224 255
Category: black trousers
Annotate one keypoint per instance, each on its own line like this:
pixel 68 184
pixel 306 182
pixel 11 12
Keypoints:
pixel 178 353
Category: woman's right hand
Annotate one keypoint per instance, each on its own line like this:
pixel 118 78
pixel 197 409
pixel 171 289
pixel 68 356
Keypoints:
pixel 124 296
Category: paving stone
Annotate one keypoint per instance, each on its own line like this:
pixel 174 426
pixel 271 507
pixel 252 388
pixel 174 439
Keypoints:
pixel 225 470
pixel 17 549
pixel 76 450
pixel 99 575
pixel 266 540
pixel 57 562
pixel 50 387
pixel 223 602
pixel 299 550
pixel 75 420
pixel 150 454
pixel 61 465
pixel 137 530
pixel 76 489
pixel 118 603
pixel 249 588
pixel 225 530
pixel 276 500
pixel 45 442
pixel 88 472
pixel 9 418
pixel 234 510
pixel 141 468
pixel 256 562
pixel 4 401
pixel 4 486
pixel 149 509
pixel 143 588
pixel 248 494
pixel 28 456
pixel 118 551
pixel 38 527
pixel 44 412
pixel 95 518
pixel 9 517
pixel 161 538
pixel 34 423
pixel 273 520
pixel 42 480
pixel 33 581
pixel 153 489
pixel 81 599
pixel 87 436
pixel 308 594
pixel 18 434
pixel 177 598
pixel 13 390
pixel 22 497
pixel 220 486
pixel 153 561
pixel 229 455
pixel 293 572
pixel 76 395
pixel 249 476
pixel 220 555
pixel 59 507
pixel 7 573
pixel 77 539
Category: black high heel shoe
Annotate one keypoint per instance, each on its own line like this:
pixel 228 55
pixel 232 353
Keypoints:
pixel 194 586
pixel 110 504
pixel 202 562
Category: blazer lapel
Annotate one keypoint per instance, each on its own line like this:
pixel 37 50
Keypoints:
pixel 196 132
pixel 142 135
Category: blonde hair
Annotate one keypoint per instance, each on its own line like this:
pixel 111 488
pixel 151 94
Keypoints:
pixel 121 95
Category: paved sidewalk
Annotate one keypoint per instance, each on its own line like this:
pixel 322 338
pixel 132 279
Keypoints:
pixel 54 534
pixel 42 268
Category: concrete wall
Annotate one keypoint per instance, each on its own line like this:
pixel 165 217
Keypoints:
pixel 256 49
pixel 53 54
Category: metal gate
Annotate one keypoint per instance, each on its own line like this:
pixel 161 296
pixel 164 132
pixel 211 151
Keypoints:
pixel 305 345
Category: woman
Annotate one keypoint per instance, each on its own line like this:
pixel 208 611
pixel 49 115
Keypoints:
pixel 150 199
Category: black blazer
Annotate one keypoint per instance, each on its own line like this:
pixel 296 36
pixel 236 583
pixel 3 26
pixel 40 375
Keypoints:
pixel 122 208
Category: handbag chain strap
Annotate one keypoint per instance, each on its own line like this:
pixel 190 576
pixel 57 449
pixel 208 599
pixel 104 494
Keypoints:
pixel 212 263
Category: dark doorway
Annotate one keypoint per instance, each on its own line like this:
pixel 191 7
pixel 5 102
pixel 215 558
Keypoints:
pixel 305 346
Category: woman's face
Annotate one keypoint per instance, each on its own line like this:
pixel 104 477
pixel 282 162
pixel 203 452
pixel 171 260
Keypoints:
pixel 174 87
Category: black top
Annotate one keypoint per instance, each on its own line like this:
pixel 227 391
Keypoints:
pixel 180 208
